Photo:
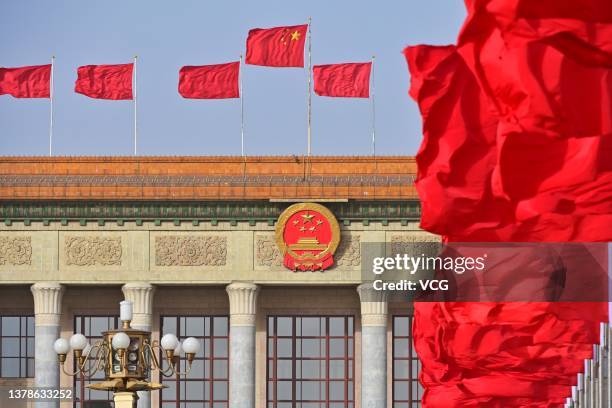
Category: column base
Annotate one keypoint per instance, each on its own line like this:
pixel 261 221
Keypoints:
pixel 125 399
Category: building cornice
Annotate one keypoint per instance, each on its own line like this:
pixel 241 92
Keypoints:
pixel 196 211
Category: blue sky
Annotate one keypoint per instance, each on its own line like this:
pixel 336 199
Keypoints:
pixel 169 34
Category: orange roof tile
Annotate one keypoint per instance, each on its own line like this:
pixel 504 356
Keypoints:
pixel 207 178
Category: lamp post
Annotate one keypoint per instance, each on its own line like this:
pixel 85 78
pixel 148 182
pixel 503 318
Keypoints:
pixel 126 356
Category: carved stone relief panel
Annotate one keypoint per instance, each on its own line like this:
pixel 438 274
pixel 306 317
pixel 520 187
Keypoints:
pixel 92 251
pixel 190 250
pixel 15 251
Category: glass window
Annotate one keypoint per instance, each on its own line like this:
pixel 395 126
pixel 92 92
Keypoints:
pixel 16 346
pixel 407 390
pixel 310 361
pixel 92 328
pixel 207 385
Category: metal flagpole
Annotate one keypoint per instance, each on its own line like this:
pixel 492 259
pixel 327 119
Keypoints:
pixel 51 108
pixel 309 83
pixel 373 111
pixel 135 108
pixel 241 109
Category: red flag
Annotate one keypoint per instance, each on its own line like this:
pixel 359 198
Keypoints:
pixel 105 81
pixel 210 81
pixel 277 47
pixel 457 156
pixel 516 124
pixel 26 82
pixel 343 80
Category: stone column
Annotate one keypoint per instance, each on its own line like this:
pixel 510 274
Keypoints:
pixel 243 303
pixel 373 346
pixel 141 296
pixel 47 313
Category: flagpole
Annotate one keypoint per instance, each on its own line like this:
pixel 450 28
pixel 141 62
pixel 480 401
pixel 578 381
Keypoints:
pixel 51 108
pixel 373 112
pixel 241 109
pixel 135 108
pixel 309 84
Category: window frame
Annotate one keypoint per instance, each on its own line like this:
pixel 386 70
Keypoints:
pixel 412 401
pixel 349 356
pixel 23 355
pixel 211 401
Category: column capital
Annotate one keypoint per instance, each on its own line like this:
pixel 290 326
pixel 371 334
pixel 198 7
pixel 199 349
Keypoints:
pixel 243 303
pixel 47 303
pixel 373 305
pixel 141 296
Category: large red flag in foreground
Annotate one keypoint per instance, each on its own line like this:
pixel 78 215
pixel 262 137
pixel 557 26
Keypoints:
pixel 210 81
pixel 343 80
pixel 105 81
pixel 516 147
pixel 26 82
pixel 277 47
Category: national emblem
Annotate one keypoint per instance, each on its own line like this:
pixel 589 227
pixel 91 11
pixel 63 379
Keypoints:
pixel 307 235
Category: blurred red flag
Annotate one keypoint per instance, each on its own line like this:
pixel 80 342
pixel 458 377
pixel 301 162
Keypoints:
pixel 350 80
pixel 26 82
pixel 516 147
pixel 217 81
pixel 277 47
pixel 105 81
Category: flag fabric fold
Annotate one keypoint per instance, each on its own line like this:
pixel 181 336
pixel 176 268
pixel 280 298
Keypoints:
pixel 516 148
pixel 26 82
pixel 351 80
pixel 277 47
pixel 105 81
pixel 217 81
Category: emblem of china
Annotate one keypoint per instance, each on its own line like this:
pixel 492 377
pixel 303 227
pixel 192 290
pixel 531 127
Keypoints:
pixel 307 235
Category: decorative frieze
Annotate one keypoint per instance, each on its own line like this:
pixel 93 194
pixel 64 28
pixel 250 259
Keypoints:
pixel 15 251
pixel 267 252
pixel 349 251
pixel 92 251
pixel 415 244
pixel 190 250
pixel 204 210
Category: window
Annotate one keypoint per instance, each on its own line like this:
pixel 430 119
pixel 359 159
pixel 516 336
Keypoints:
pixel 16 346
pixel 92 328
pixel 310 361
pixel 207 384
pixel 407 391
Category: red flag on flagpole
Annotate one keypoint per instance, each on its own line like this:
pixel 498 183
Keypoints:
pixel 105 81
pixel 350 80
pixel 217 81
pixel 26 82
pixel 277 47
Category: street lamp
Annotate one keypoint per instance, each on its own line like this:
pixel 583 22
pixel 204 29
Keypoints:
pixel 126 356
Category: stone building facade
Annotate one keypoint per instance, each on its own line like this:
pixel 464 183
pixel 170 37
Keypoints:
pixel 191 241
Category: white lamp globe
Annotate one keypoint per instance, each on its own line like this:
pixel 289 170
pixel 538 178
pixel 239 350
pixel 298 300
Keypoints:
pixel 191 345
pixel 61 346
pixel 169 341
pixel 78 341
pixel 120 341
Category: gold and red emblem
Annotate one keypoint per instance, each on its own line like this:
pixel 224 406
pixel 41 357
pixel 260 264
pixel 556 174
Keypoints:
pixel 307 235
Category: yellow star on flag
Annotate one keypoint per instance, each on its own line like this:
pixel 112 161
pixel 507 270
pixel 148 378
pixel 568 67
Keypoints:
pixel 295 35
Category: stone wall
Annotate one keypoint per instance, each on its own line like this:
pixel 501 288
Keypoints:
pixel 165 252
